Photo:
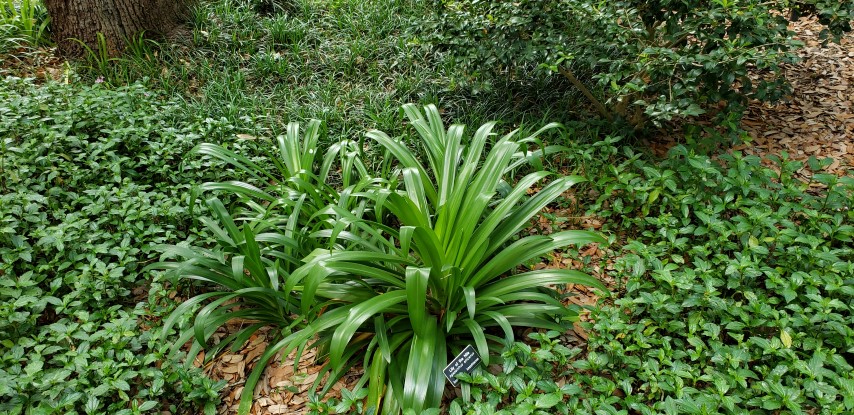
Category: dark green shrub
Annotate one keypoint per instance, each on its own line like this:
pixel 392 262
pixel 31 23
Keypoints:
pixel 637 61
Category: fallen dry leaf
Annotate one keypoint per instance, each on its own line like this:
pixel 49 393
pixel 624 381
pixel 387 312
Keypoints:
pixel 816 120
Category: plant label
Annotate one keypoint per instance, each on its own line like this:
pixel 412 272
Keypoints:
pixel 465 362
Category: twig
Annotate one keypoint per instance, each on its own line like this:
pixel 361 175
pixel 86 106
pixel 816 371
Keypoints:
pixel 598 104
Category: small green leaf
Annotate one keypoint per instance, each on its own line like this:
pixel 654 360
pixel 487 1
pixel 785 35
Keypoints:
pixel 548 400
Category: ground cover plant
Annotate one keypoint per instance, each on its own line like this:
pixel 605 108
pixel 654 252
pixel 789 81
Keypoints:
pixel 92 178
pixel 738 296
pixel 348 64
pixel 126 178
pixel 733 289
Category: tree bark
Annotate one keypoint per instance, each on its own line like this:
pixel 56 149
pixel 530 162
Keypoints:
pixel 76 21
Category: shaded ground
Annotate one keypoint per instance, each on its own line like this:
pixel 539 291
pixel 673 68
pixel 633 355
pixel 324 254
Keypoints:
pixel 818 119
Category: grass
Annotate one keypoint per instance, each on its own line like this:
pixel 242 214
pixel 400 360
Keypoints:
pixel 22 23
pixel 348 63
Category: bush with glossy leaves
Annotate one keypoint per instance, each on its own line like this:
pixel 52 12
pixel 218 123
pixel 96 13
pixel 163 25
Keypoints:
pixel 639 61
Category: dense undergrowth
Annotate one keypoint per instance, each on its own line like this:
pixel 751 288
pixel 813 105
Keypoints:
pixel 734 289
pixel 637 62
pixel 739 291
pixel 737 295
pixel 92 179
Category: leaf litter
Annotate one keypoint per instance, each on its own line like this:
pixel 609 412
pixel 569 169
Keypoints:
pixel 815 120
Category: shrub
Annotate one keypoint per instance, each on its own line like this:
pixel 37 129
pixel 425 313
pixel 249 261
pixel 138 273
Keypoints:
pixel 648 61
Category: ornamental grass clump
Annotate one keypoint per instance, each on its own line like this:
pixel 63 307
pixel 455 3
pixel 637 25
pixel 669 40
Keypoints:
pixel 420 264
pixel 265 238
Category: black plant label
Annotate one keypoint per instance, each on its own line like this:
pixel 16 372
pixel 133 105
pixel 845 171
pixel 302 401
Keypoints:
pixel 465 362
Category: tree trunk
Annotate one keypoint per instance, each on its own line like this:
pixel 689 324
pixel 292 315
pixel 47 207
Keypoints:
pixel 75 21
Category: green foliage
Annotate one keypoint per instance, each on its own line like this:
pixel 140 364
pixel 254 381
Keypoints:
pixel 347 63
pixel 649 61
pixel 437 280
pixel 836 16
pixel 99 57
pixel 528 383
pixel 253 261
pixel 409 268
pixel 256 63
pixel 738 297
pixel 22 23
pixel 90 180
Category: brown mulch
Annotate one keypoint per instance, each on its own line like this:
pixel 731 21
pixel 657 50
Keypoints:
pixel 41 64
pixel 283 388
pixel 593 259
pixel 816 119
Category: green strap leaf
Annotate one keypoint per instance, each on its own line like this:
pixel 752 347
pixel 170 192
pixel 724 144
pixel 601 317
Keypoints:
pixel 230 157
pixel 416 384
pixel 416 297
pixel 239 188
pixel 539 278
pixel 477 334
pixel 529 248
pixel 502 322
pixel 471 304
pixel 519 218
pixel 357 315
